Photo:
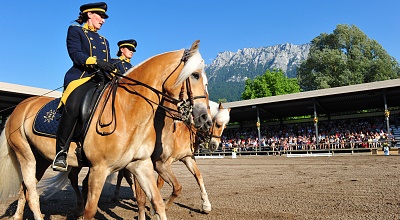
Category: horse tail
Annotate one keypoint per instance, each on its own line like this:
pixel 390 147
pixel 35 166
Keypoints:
pixel 49 186
pixel 10 172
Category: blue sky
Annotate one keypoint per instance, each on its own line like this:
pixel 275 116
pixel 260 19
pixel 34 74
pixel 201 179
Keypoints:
pixel 33 50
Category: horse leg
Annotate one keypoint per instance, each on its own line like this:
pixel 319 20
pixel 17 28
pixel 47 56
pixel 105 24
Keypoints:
pixel 160 182
pixel 128 177
pixel 96 180
pixel 164 170
pixel 140 200
pixel 144 173
pixel 73 178
pixel 28 169
pixel 85 189
pixel 194 169
pixel 118 186
pixel 129 180
pixel 41 168
pixel 19 213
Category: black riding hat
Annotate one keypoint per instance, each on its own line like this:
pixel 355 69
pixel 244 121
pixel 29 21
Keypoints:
pixel 130 44
pixel 98 8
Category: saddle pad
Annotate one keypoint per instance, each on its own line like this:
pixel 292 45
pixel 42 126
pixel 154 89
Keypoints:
pixel 46 121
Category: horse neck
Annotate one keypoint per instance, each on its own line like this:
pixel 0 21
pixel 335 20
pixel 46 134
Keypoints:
pixel 158 72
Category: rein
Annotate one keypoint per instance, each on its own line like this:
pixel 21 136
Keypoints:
pixel 185 107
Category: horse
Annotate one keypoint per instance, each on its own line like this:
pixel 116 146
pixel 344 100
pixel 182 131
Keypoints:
pixel 181 147
pixel 129 143
pixel 220 117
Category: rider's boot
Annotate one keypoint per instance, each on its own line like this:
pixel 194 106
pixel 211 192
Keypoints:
pixel 64 136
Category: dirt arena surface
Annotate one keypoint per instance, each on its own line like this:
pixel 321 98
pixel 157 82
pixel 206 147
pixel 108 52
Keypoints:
pixel 262 187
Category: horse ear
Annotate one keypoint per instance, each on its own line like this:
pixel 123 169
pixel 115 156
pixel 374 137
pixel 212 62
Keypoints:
pixel 229 109
pixel 195 46
pixel 220 106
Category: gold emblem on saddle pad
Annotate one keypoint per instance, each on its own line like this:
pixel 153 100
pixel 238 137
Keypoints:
pixel 49 116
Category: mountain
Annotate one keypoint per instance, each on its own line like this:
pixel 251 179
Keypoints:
pixel 228 72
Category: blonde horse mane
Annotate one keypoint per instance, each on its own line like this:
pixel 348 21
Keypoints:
pixel 194 63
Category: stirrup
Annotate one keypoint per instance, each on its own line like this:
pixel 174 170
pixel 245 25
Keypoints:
pixel 58 167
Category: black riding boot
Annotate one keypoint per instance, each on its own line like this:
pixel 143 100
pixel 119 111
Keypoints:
pixel 64 136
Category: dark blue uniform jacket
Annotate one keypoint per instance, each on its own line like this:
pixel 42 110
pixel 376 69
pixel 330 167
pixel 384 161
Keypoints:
pixel 122 65
pixel 82 44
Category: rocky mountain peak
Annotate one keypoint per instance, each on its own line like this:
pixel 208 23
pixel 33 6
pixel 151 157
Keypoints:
pixel 236 67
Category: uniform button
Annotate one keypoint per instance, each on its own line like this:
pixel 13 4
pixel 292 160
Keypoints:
pixel 102 42
pixel 94 47
pixel 104 51
pixel 104 60
pixel 91 38
pixel 101 37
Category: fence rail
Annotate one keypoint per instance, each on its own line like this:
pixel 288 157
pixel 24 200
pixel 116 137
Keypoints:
pixel 228 152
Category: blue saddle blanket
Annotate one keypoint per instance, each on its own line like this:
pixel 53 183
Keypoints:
pixel 47 119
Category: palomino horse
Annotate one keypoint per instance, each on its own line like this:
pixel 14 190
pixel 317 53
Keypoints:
pixel 220 118
pixel 130 143
pixel 180 147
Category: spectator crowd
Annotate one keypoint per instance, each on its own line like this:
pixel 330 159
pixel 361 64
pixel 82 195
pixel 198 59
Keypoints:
pixel 341 134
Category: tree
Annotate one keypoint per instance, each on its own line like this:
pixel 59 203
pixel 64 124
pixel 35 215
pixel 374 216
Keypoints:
pixel 271 83
pixel 345 57
pixel 221 101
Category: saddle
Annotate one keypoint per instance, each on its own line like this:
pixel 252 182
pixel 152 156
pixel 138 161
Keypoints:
pixel 47 119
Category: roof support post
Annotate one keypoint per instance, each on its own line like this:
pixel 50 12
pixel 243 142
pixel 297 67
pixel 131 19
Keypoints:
pixel 387 114
pixel 316 124
pixel 258 129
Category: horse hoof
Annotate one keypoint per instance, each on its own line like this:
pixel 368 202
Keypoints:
pixel 206 208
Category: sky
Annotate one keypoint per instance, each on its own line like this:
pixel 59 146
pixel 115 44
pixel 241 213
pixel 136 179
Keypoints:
pixel 33 33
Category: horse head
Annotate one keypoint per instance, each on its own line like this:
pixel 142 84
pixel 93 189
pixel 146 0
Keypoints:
pixel 195 86
pixel 221 118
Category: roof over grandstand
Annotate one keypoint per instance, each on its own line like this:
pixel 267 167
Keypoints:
pixel 327 101
pixel 12 94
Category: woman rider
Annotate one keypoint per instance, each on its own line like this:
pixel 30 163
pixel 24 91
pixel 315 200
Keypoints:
pixel 126 48
pixel 89 52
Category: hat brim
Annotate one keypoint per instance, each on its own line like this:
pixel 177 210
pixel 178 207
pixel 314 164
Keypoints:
pixel 102 14
pixel 129 48
pixel 132 49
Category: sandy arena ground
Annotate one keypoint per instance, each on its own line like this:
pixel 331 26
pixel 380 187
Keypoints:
pixel 262 187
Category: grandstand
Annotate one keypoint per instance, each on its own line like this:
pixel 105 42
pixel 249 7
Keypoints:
pixel 341 103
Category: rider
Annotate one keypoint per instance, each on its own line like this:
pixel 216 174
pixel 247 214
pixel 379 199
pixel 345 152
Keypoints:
pixel 126 48
pixel 89 52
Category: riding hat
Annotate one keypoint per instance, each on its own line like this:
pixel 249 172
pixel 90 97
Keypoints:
pixel 130 44
pixel 98 8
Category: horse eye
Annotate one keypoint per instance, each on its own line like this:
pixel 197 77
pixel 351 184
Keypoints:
pixel 218 125
pixel 196 75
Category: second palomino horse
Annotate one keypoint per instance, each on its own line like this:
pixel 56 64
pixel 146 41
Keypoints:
pixel 25 156
pixel 180 147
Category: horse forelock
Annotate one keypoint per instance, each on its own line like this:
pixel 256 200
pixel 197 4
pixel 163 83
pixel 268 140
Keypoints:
pixel 195 62
pixel 213 108
pixel 222 116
